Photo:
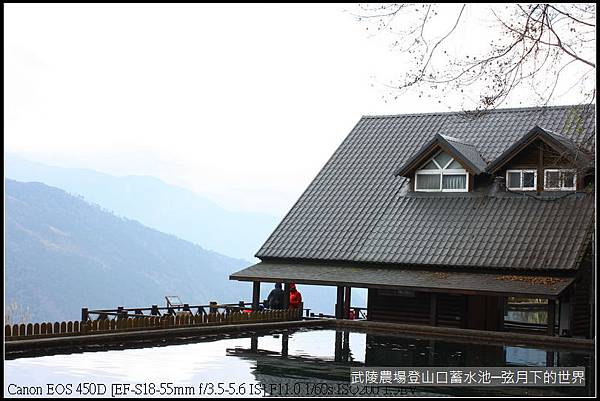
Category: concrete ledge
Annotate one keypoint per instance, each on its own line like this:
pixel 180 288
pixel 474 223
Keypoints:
pixel 468 335
pixel 162 337
pixel 18 347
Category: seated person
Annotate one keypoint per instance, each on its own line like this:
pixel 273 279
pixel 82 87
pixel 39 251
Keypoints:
pixel 275 298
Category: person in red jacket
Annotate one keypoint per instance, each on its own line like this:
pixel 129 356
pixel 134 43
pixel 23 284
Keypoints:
pixel 295 297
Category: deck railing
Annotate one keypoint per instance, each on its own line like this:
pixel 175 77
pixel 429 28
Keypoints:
pixel 155 310
pixel 124 323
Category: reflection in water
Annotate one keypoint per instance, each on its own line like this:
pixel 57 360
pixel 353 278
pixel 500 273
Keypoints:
pixel 531 315
pixel 290 358
pixel 274 370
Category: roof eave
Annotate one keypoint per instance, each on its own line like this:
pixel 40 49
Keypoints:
pixel 457 155
pixel 413 163
pixel 533 134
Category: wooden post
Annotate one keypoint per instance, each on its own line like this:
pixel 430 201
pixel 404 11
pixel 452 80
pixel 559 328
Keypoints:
pixel 338 346
pixel 431 354
pixel 433 309
pixel 464 311
pixel 549 358
pixel 286 295
pixel 84 314
pixel 284 345
pixel 540 169
pixel 254 343
pixel 339 306
pixel 592 293
pixel 501 308
pixel 255 295
pixel 346 346
pixel 551 316
pixel 347 294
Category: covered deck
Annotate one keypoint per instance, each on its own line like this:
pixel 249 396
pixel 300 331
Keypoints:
pixel 456 298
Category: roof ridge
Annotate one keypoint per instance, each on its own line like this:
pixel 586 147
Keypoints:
pixel 454 139
pixel 508 109
pixel 558 134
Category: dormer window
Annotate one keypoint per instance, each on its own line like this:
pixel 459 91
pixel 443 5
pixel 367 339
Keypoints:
pixel 442 173
pixel 560 180
pixel 521 180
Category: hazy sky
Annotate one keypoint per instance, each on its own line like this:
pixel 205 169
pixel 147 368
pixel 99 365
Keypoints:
pixel 241 103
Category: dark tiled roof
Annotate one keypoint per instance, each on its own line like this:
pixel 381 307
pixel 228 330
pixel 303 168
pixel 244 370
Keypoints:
pixel 356 209
pixel 468 152
pixel 494 231
pixel 564 144
pixel 465 151
pixel 365 276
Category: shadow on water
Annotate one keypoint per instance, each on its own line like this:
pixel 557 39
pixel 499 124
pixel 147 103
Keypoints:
pixel 293 370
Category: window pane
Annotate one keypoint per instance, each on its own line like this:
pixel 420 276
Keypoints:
pixel 455 165
pixel 514 180
pixel 430 166
pixel 428 181
pixel 551 179
pixel 528 179
pixel 454 181
pixel 443 159
pixel 568 179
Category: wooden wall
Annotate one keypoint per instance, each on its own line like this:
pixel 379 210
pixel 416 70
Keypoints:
pixel 580 299
pixel 461 311
pixel 539 156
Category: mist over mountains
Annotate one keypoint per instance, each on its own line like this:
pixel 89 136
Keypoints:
pixel 63 254
pixel 156 204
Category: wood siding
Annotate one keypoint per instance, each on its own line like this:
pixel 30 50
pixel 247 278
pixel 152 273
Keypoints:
pixel 385 306
pixel 580 305
pixel 539 156
pixel 439 309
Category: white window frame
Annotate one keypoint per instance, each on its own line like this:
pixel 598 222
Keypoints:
pixel 560 182
pixel 520 188
pixel 441 171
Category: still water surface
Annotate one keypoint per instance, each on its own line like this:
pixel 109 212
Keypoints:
pixel 243 364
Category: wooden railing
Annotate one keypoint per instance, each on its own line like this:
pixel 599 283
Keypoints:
pixel 125 324
pixel 155 310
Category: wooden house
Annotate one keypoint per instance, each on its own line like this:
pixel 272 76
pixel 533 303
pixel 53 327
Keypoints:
pixel 442 216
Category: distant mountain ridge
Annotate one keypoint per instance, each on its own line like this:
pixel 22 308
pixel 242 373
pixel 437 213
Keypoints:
pixel 158 205
pixel 62 253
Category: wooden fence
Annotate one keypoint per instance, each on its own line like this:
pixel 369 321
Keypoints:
pixel 107 326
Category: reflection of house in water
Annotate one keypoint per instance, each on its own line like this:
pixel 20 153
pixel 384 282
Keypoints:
pixel 442 217
pixel 299 375
pixel 281 371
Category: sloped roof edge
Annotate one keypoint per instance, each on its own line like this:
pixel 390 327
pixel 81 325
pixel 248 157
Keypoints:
pixel 559 142
pixel 473 161
pixel 367 276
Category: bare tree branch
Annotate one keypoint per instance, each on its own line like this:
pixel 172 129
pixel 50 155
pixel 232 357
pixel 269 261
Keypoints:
pixel 532 44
